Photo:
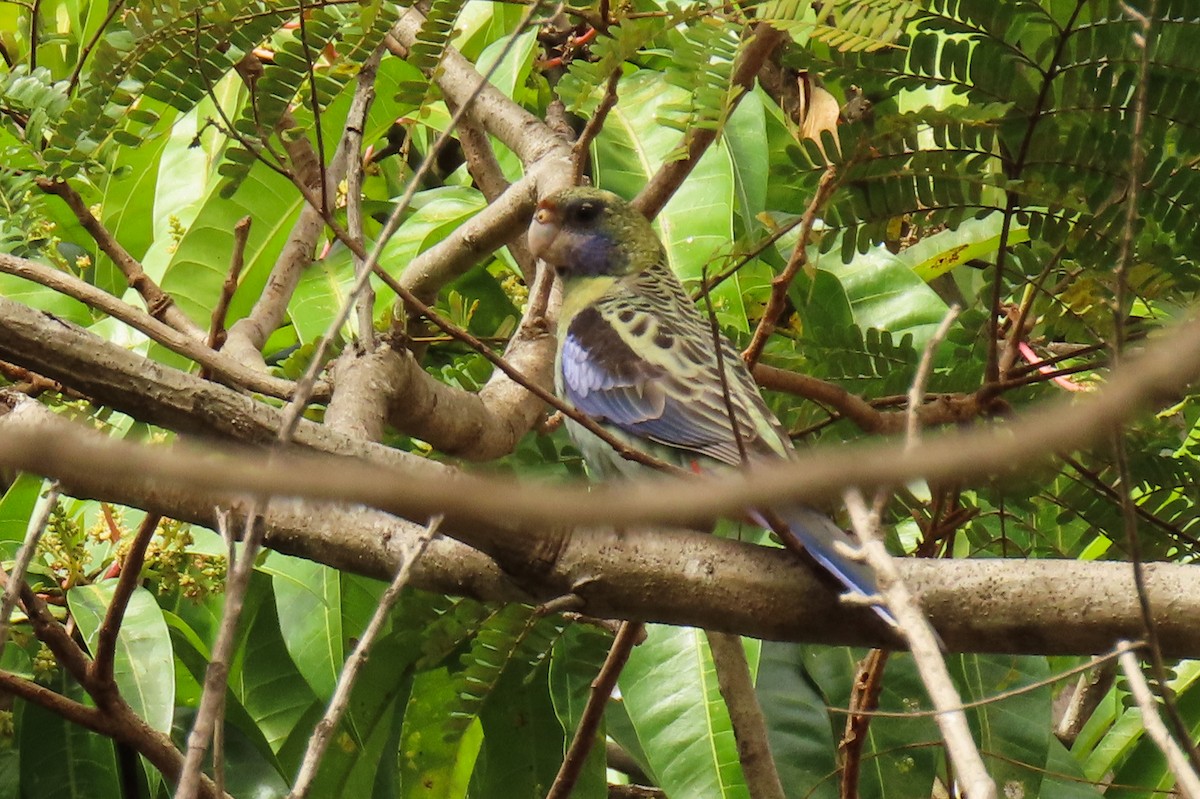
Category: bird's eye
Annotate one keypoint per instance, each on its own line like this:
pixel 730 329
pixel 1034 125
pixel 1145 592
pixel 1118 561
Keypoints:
pixel 586 213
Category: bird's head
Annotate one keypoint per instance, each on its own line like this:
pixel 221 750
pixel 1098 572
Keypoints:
pixel 587 232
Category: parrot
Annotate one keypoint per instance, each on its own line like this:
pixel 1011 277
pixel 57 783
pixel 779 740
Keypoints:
pixel 636 356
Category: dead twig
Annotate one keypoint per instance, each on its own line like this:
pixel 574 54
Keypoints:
pixel 799 257
pixel 237 260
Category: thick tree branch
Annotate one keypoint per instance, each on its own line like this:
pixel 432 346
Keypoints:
pixel 675 577
pixel 1163 371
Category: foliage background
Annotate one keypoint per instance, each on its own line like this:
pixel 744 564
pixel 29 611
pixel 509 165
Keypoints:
pixel 991 170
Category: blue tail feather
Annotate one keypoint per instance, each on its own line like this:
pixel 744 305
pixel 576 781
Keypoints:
pixel 817 533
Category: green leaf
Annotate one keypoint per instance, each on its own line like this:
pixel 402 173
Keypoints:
pixel 696 225
pixel 1013 733
pixel 268 684
pixel 885 293
pixel 1146 765
pixel 62 759
pixel 798 725
pixel 745 135
pixel 522 738
pixel 16 508
pixel 670 692
pixel 936 255
pixel 431 765
pixel 310 596
pixel 143 663
pixel 576 661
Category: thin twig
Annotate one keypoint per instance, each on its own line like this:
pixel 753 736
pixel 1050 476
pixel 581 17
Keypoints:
pixel 745 715
pixel 159 304
pixel 1000 696
pixel 114 8
pixel 579 151
pixel 323 734
pixel 593 711
pixel 316 107
pixel 354 215
pixel 926 652
pixel 212 699
pixel 214 362
pixel 1186 781
pixel 916 393
pixel 237 260
pixel 1183 732
pixel 131 573
pixel 16 579
pixel 799 257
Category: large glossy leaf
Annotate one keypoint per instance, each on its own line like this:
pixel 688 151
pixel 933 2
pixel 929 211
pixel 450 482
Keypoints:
pixel 324 288
pixel 936 255
pixel 1013 734
pixel 696 225
pixel 269 685
pixel 670 692
pixel 62 759
pixel 1064 778
pixel 897 760
pixel 128 197
pixel 309 598
pixel 745 135
pixel 798 725
pixel 366 744
pixel 1146 765
pixel 143 665
pixel 885 293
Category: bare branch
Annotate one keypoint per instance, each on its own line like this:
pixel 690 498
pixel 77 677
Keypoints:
pixel 1162 371
pixel 218 364
pixel 926 652
pixel 675 577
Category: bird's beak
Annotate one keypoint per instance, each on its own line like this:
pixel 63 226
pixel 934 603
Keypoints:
pixel 544 229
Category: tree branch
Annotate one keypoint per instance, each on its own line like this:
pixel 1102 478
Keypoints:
pixel 670 176
pixel 218 364
pixel 675 577
pixel 158 302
